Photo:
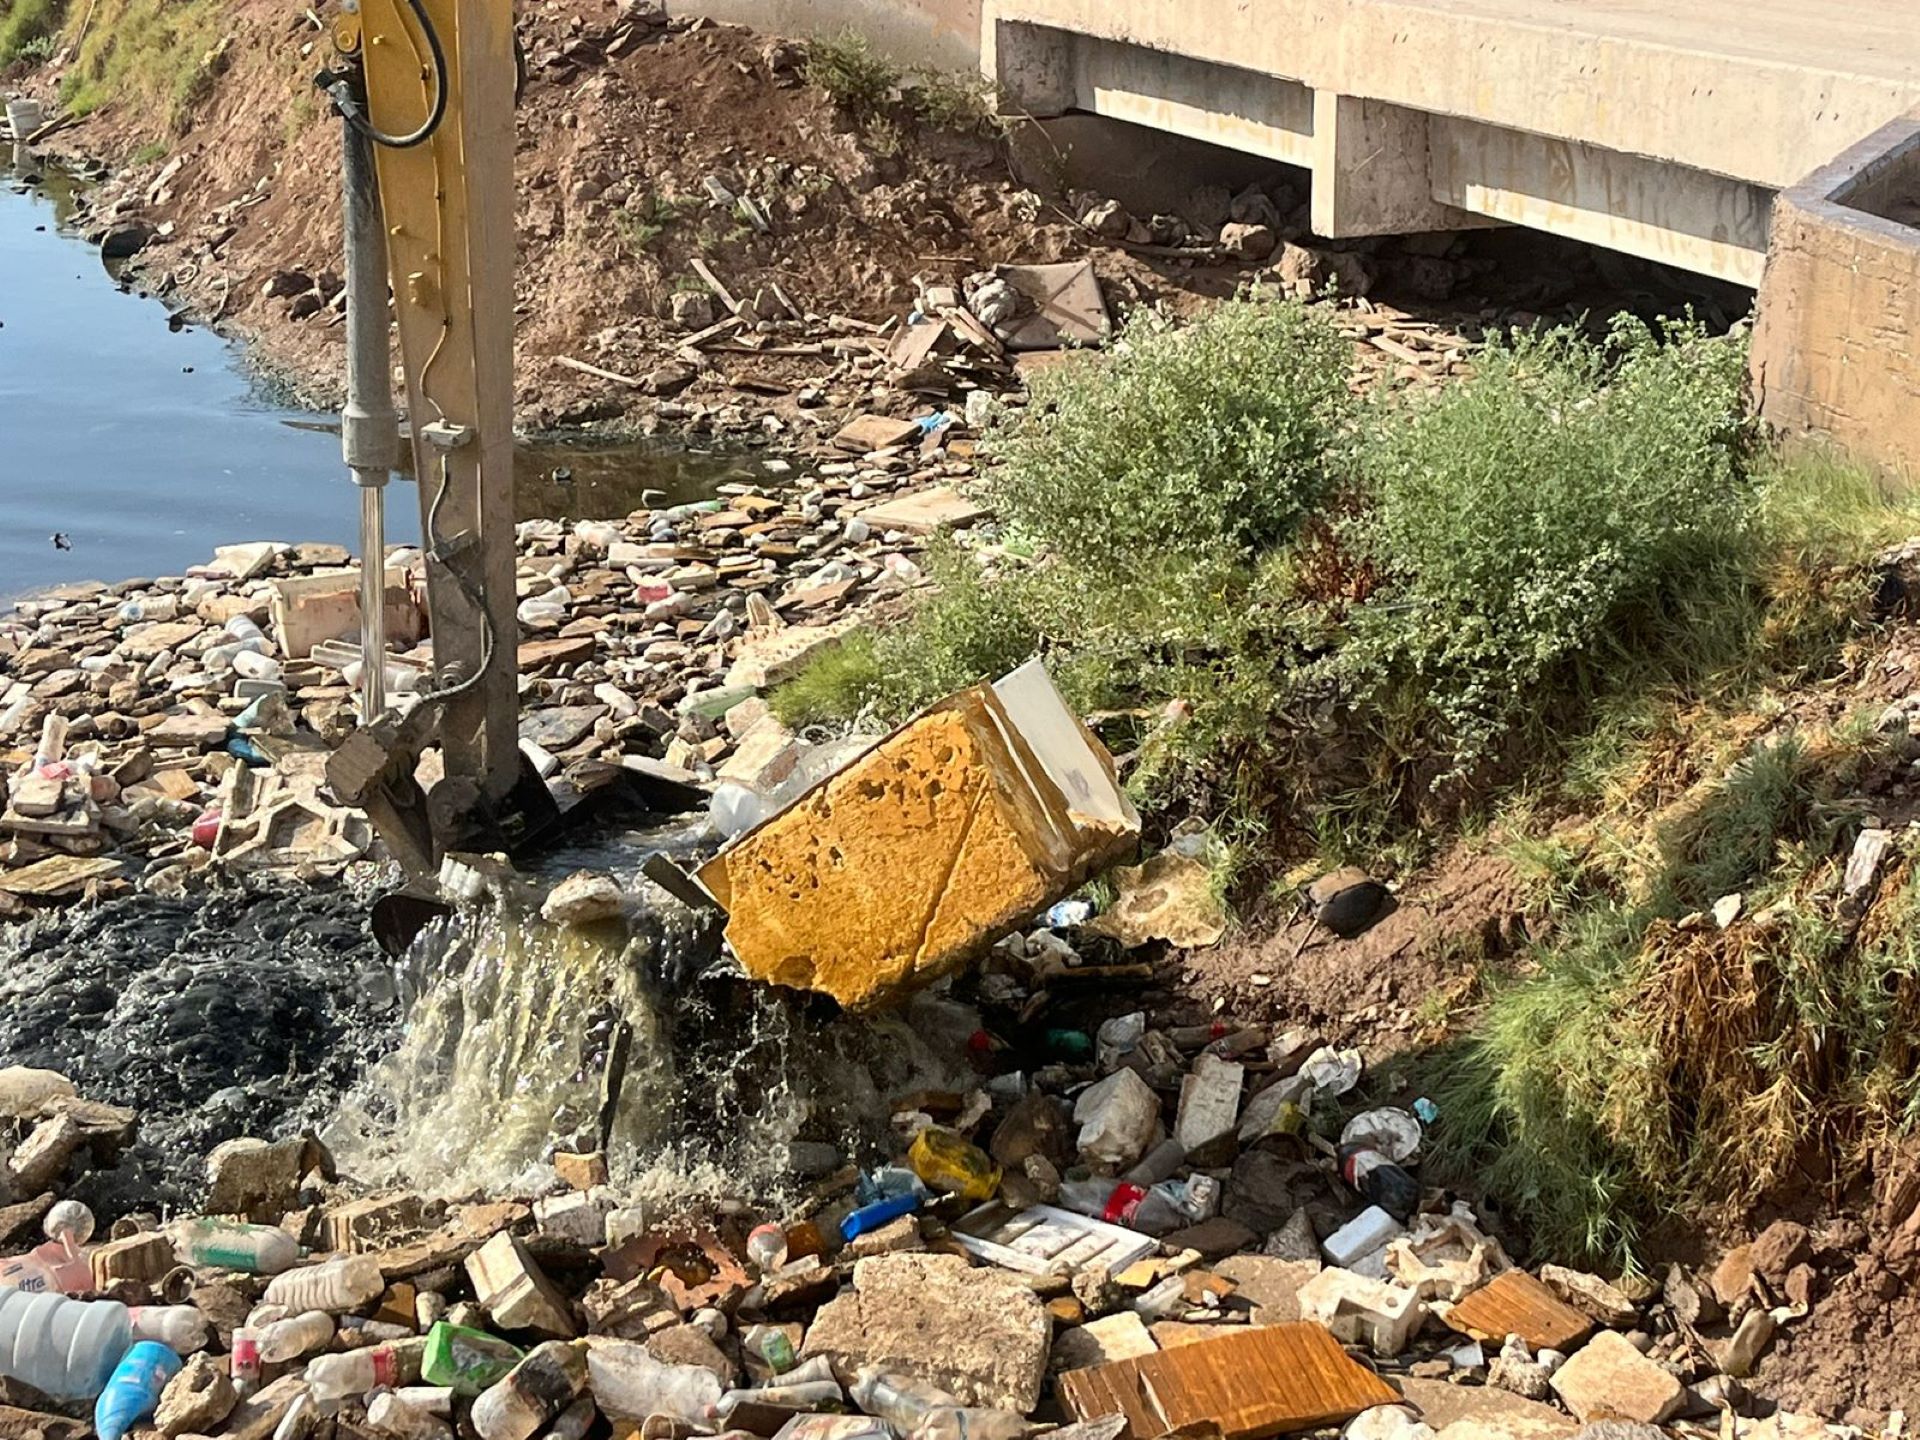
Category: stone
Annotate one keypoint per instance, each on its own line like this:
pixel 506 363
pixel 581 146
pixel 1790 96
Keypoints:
pixel 1259 1192
pixel 1387 1422
pixel 866 433
pixel 25 1091
pixel 692 309
pixel 20 1423
pixel 44 1155
pixel 1479 1412
pixel 940 508
pixel 1120 1336
pixel 376 1222
pixel 1271 1286
pixel 580 1171
pixel 246 562
pixel 1620 1430
pixel 768 659
pixel 1750 1339
pixel 1253 206
pixel 668 379
pixel 1305 271
pixel 1515 1370
pixel 1108 219
pixel 1209 1113
pixel 1692 1303
pixel 1294 1240
pixel 1778 1248
pixel 1591 1295
pixel 690 1345
pixel 516 1292
pixel 1118 1119
pixel 190 730
pixel 628 1310
pixel 1608 1379
pixel 585 897
pixel 1211 1238
pixel 979 1334
pixel 197 1399
pixel 574 1215
pixel 260 1179
pixel 1733 1276
pixel 1248 242
pixel 1036 1124
pixel 146 641
pixel 144 1257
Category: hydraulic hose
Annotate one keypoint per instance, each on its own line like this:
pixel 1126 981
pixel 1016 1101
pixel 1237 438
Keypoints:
pixel 348 105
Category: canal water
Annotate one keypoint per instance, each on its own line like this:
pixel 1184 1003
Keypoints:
pixel 143 444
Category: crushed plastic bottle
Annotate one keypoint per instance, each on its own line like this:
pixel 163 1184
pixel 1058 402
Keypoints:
pixel 767 1247
pixel 335 1379
pixel 630 1384
pixel 390 1414
pixel 771 1344
pixel 295 1336
pixel 336 1285
pixel 230 1245
pixel 133 1392
pixel 898 1399
pixel 181 1328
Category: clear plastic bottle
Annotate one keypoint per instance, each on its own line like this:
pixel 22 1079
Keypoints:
pixel 574 1421
pixel 67 1348
pixel 630 1384
pixel 809 1395
pixel 333 1286
pixel 767 1247
pixel 771 1344
pixel 181 1328
pixel 897 1399
pixel 244 1364
pixel 332 1379
pixel 954 1422
pixel 230 1245
pixel 295 1336
pixel 535 1392
pixel 69 1220
pixel 356 1333
pixel 254 666
pixel 133 1392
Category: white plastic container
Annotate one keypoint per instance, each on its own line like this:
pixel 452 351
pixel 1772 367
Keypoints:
pixel 1368 1233
pixel 295 1336
pixel 333 1379
pixel 337 1285
pixel 181 1328
pixel 389 1413
pixel 629 1384
pixel 67 1348
pixel 253 666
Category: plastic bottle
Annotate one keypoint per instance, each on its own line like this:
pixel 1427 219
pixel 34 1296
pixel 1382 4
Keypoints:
pixel 230 1245
pixel 67 1348
pixel 898 1399
pixel 29 1274
pixel 254 666
pixel 388 1412
pixel 244 1364
pixel 946 1162
pixel 181 1328
pixel 244 627
pixel 466 1361
pixel 356 1332
pixel 771 1344
pixel 808 1396
pixel 69 1220
pixel 767 1247
pixel 334 1286
pixel 295 1336
pixel 574 1421
pixel 869 1218
pixel 133 1392
pixel 630 1384
pixel 262 1316
pixel 1380 1180
pixel 954 1422
pixel 332 1379
pixel 1158 1163
pixel 534 1392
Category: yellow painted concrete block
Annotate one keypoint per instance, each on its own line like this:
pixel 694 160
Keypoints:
pixel 907 864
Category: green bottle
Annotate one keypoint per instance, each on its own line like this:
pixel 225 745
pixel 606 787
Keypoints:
pixel 466 1361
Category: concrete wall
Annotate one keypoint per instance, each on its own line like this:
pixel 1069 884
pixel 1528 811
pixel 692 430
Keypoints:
pixel 1836 347
pixel 941 33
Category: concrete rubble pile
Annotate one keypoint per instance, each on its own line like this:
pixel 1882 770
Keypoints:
pixel 152 728
pixel 1125 1228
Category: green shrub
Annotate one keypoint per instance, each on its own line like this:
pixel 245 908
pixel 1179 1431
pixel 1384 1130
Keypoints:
pixel 1209 441
pixel 27 29
pixel 855 76
pixel 1542 519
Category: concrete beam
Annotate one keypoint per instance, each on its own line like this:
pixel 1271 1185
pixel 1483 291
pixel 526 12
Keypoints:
pixel 1222 104
pixel 1657 211
pixel 1371 173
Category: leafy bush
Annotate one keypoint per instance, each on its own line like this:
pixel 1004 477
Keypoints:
pixel 27 29
pixel 1210 441
pixel 855 76
pixel 1546 513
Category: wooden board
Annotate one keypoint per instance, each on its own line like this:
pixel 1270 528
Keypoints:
pixel 1514 1303
pixel 1247 1385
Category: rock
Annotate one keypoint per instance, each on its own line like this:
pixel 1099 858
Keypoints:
pixel 1118 1118
pixel 1212 1238
pixel 126 240
pixel 258 1416
pixel 1348 901
pixel 144 1257
pixel 979 1334
pixel 581 1171
pixel 1209 1112
pixel 261 1179
pixel 197 1399
pixel 1259 1193
pixel 25 1091
pixel 1248 242
pixel 865 433
pixel 515 1291
pixel 1271 1286
pixel 1733 1276
pixel 1119 1336
pixel 43 1156
pixel 585 897
pixel 1208 206
pixel 1515 1370
pixel 690 1345
pixel 377 1222
pixel 190 730
pixel 668 379
pixel 1690 1301
pixel 1294 1240
pixel 1387 1422
pixel 1591 1295
pixel 1778 1248
pixel 692 309
pixel 1620 1430
pixel 1305 271
pixel 1108 219
pixel 1607 1378
pixel 1479 1412
pixel 285 284
pixel 994 302
pixel 1037 1124
pixel 1253 206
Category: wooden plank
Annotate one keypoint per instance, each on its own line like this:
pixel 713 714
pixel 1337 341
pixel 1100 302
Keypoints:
pixel 1247 1385
pixel 585 369
pixel 712 280
pixel 1514 1303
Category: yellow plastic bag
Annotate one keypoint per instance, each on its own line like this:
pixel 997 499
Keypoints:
pixel 947 1163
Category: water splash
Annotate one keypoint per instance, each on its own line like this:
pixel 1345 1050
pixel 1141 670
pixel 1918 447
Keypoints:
pixel 514 1032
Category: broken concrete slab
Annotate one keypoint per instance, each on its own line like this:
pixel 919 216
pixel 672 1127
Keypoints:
pixel 307 610
pixel 1477 1412
pixel 979 1334
pixel 915 857
pixel 1361 1311
pixel 1067 306
pixel 924 513
pixel 1209 1110
pixel 1119 1336
pixel 768 659
pixel 1271 1286
pixel 865 433
pixel 1608 1379
pixel 513 1289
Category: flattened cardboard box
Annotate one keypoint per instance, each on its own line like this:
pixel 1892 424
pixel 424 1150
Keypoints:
pixel 959 826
